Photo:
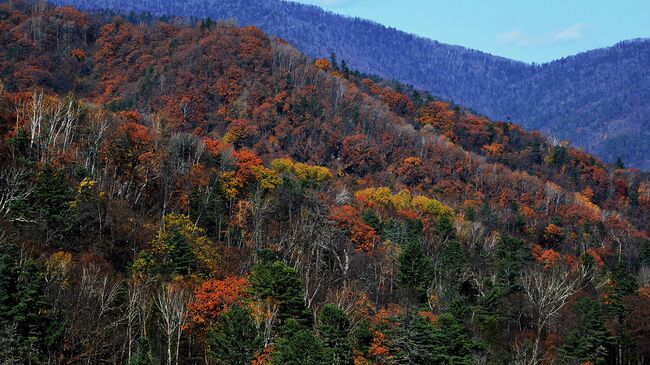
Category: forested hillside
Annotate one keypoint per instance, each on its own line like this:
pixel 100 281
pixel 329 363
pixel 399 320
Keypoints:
pixel 596 100
pixel 189 192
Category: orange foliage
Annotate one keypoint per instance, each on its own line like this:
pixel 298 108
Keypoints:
pixel 79 54
pixel 494 149
pixel 596 256
pixel 553 234
pixel 247 160
pixel 322 64
pixel 546 257
pixel 214 297
pixel 361 235
pixel 264 357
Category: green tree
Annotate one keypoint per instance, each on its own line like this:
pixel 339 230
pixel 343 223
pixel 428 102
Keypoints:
pixel 280 284
pixel 511 254
pixel 644 254
pixel 588 340
pixel 415 270
pixel 24 307
pixel 234 338
pixel 411 339
pixel 49 205
pixel 298 346
pixel 334 328
pixel 452 343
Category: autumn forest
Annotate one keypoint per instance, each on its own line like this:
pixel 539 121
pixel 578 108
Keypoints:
pixel 182 191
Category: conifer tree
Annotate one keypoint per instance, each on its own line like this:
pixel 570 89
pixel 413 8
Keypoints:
pixel 334 328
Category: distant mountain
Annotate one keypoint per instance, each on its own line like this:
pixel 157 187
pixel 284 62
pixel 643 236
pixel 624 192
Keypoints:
pixel 597 100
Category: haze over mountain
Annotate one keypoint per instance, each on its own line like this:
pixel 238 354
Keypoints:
pixel 596 100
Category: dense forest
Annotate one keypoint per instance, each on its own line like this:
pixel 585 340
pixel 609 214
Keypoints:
pixel 596 100
pixel 192 192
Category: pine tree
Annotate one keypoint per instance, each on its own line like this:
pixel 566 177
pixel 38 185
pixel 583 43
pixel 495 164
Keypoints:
pixel 281 284
pixel 412 339
pixel 511 254
pixel 452 343
pixel 415 270
pixel 587 341
pixel 298 346
pixel 234 338
pixel 334 328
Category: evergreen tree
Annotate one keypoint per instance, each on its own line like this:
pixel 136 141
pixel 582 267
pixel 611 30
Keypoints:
pixel 234 338
pixel 412 339
pixel 622 283
pixel 24 307
pixel 416 270
pixel 451 342
pixel 334 328
pixel 298 346
pixel 644 254
pixel 587 341
pixel 511 254
pixel 49 205
pixel 281 284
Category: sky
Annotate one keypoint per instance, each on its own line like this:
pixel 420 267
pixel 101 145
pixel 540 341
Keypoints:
pixel 526 30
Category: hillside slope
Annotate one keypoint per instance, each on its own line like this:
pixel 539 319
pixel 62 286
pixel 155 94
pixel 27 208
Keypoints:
pixel 179 192
pixel 596 100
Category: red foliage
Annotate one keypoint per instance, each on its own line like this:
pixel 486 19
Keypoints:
pixel 214 297
pixel 361 235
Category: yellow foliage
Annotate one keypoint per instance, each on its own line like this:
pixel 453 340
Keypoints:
pixel 311 173
pixel 402 200
pixel 375 196
pixel 162 247
pixel 431 206
pixel 282 165
pixel 302 171
pixel 267 178
pixel 231 183
pixel 86 183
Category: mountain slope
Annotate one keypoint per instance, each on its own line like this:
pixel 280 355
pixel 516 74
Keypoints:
pixel 178 192
pixel 595 99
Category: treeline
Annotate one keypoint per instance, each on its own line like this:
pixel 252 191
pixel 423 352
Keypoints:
pixel 203 193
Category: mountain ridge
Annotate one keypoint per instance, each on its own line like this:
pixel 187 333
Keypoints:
pixel 496 86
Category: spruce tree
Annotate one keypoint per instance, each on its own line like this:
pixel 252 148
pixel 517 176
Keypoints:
pixel 588 340
pixel 234 338
pixel 416 270
pixel 298 346
pixel 334 328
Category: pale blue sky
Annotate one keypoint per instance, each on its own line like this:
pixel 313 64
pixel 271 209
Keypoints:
pixel 525 30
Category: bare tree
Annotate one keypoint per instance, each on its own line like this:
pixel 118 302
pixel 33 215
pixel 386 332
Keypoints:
pixel 548 289
pixel 171 302
pixel 15 185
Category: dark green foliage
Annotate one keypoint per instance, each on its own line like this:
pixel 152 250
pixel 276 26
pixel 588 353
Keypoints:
pixel 644 254
pixel 452 342
pixel 511 255
pixel 299 346
pixel 619 163
pixel 142 354
pixel 416 340
pixel 416 270
pixel 622 283
pixel 412 339
pixel 334 328
pixel 234 338
pixel 588 340
pixel 210 212
pixel 49 205
pixel 280 283
pixel 453 262
pixel 23 306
